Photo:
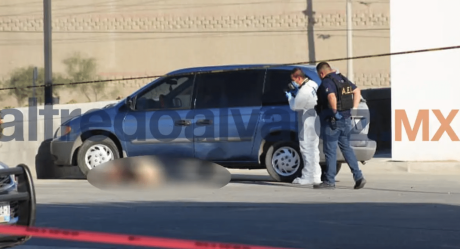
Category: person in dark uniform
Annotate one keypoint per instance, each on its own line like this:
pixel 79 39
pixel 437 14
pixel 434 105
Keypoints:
pixel 337 96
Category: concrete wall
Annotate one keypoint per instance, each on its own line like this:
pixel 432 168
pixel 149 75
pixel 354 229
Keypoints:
pixel 31 145
pixel 138 38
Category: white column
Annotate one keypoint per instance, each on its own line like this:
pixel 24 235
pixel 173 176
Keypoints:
pixel 349 40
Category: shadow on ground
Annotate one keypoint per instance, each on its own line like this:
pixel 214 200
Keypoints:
pixel 44 165
pixel 47 170
pixel 323 225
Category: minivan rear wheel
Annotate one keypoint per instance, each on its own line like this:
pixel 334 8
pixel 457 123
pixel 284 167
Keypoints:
pixel 94 151
pixel 283 161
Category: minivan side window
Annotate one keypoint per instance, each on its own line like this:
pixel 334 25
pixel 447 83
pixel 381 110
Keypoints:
pixel 229 89
pixel 170 93
pixel 276 82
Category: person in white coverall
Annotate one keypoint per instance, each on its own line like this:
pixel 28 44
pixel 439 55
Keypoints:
pixel 303 100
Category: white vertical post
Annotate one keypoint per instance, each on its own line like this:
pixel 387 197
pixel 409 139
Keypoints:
pixel 349 40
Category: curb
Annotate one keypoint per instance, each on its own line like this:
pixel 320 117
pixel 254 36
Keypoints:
pixel 381 166
pixel 431 168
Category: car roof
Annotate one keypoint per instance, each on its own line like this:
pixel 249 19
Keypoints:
pixel 310 70
pixel 243 66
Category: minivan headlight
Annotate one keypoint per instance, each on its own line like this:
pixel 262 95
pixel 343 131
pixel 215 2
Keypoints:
pixel 62 131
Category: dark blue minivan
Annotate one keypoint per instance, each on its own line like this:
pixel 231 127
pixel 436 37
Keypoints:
pixel 236 116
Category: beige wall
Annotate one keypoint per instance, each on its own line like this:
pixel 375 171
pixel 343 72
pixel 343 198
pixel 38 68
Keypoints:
pixel 167 35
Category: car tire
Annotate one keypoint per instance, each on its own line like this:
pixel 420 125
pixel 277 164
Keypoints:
pixel 96 150
pixel 287 168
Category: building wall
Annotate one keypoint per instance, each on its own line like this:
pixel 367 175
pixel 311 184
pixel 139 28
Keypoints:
pixel 425 125
pixel 138 38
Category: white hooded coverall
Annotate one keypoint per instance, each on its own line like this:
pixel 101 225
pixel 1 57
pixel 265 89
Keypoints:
pixel 309 127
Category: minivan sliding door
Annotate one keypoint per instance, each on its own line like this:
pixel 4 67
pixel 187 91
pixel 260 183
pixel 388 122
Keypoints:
pixel 227 114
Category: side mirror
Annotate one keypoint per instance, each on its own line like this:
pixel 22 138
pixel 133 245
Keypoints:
pixel 177 103
pixel 130 103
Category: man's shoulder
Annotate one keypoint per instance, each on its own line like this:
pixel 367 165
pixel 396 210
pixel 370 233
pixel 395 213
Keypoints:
pixel 321 87
pixel 327 81
pixel 327 85
pixel 311 84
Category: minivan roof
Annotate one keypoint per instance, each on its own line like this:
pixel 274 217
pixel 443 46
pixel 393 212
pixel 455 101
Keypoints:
pixel 236 67
pixel 310 70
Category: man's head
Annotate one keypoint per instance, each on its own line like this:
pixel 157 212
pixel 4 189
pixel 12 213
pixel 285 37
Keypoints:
pixel 298 76
pixel 323 69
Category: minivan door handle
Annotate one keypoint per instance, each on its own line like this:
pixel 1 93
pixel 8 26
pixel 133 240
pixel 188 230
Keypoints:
pixel 183 122
pixel 204 122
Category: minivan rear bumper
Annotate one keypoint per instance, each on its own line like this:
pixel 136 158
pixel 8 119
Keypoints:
pixel 365 153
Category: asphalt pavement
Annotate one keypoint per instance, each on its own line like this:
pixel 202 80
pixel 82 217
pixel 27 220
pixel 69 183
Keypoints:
pixel 394 210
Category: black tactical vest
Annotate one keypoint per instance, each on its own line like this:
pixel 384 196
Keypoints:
pixel 344 95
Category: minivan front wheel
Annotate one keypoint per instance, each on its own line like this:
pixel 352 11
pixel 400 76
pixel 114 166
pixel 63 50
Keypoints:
pixel 94 151
pixel 283 161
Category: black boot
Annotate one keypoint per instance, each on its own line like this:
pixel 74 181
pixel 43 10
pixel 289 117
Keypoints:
pixel 360 183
